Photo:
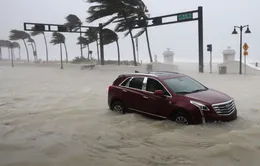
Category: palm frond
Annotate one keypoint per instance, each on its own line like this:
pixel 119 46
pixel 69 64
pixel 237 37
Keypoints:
pixel 73 22
pixel 139 33
pixel 57 38
pixel 18 35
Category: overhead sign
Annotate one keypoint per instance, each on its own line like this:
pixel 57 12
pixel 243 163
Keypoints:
pixel 245 47
pixel 185 16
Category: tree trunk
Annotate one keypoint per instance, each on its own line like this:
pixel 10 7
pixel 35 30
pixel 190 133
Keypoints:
pixel 133 44
pixel 148 45
pixel 12 57
pixel 9 54
pixel 32 47
pixel 132 38
pixel 46 46
pixel 118 52
pixel 81 49
pixel 33 51
pixel 88 51
pixel 35 48
pixel 67 59
pixel 1 53
pixel 28 59
pixel 19 53
pixel 97 51
pixel 61 61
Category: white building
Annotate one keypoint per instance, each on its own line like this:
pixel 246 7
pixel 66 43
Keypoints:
pixel 168 56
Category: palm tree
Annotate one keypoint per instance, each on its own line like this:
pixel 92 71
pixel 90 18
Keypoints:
pixel 34 49
pixel 92 36
pixel 74 23
pixel 20 35
pixel 35 33
pixel 8 46
pixel 85 42
pixel 58 38
pixel 110 36
pixel 17 45
pixel 2 44
pixel 123 12
pixel 13 45
pixel 5 44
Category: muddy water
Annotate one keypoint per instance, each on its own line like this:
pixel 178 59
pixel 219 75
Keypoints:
pixel 60 118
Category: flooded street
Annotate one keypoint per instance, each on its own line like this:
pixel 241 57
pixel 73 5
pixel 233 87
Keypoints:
pixel 59 117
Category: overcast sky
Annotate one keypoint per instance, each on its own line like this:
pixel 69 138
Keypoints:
pixel 219 18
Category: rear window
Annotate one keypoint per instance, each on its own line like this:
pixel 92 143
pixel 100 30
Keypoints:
pixel 118 80
pixel 137 82
pixel 124 83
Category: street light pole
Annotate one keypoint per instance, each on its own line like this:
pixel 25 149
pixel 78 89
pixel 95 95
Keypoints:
pixel 241 40
pixel 240 57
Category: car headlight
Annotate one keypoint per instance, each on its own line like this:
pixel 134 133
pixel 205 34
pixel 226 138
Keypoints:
pixel 201 106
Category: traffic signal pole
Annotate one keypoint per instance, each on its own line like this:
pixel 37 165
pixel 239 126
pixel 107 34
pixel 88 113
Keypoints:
pixel 209 48
pixel 181 18
pixel 200 38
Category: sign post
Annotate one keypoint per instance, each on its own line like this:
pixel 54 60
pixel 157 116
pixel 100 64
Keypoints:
pixel 245 47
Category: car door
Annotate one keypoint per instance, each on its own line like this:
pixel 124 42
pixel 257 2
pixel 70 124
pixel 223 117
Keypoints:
pixel 133 93
pixel 153 104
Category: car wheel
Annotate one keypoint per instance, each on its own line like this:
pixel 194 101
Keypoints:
pixel 118 107
pixel 182 118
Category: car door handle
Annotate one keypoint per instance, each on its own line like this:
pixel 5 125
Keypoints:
pixel 124 90
pixel 145 97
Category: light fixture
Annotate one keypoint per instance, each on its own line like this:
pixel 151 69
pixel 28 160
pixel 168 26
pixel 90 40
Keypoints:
pixel 234 32
pixel 248 30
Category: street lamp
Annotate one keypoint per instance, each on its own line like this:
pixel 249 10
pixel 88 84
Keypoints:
pixel 241 38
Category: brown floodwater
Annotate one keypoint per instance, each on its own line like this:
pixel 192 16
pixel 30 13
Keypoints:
pixel 59 117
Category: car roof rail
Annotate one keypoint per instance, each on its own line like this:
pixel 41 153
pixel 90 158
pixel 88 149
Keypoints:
pixel 138 73
pixel 164 72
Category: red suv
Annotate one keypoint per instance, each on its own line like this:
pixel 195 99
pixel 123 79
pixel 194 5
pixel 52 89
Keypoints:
pixel 170 95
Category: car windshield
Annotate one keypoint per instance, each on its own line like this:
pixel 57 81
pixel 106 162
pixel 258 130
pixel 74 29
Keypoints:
pixel 184 85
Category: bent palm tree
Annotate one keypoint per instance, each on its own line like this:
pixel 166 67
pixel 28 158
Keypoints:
pixel 123 12
pixel 8 46
pixel 58 38
pixel 13 45
pixel 5 44
pixel 34 49
pixel 110 36
pixel 85 42
pixel 2 44
pixel 92 36
pixel 20 35
pixel 74 23
pixel 17 45
pixel 35 33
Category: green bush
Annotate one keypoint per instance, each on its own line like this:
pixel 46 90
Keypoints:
pixel 80 60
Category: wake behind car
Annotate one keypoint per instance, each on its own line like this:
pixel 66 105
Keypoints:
pixel 170 95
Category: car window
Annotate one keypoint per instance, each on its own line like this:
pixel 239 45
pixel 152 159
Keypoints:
pixel 153 85
pixel 136 82
pixel 184 85
pixel 125 82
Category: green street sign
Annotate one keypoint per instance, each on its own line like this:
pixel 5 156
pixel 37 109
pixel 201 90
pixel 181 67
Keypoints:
pixel 186 16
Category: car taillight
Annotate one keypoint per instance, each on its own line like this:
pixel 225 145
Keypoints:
pixel 110 88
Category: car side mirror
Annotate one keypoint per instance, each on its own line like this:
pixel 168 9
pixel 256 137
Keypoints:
pixel 159 93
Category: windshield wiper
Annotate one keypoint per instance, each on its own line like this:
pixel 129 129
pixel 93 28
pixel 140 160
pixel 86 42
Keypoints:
pixel 198 90
pixel 182 93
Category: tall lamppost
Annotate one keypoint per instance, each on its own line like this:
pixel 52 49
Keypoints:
pixel 241 40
